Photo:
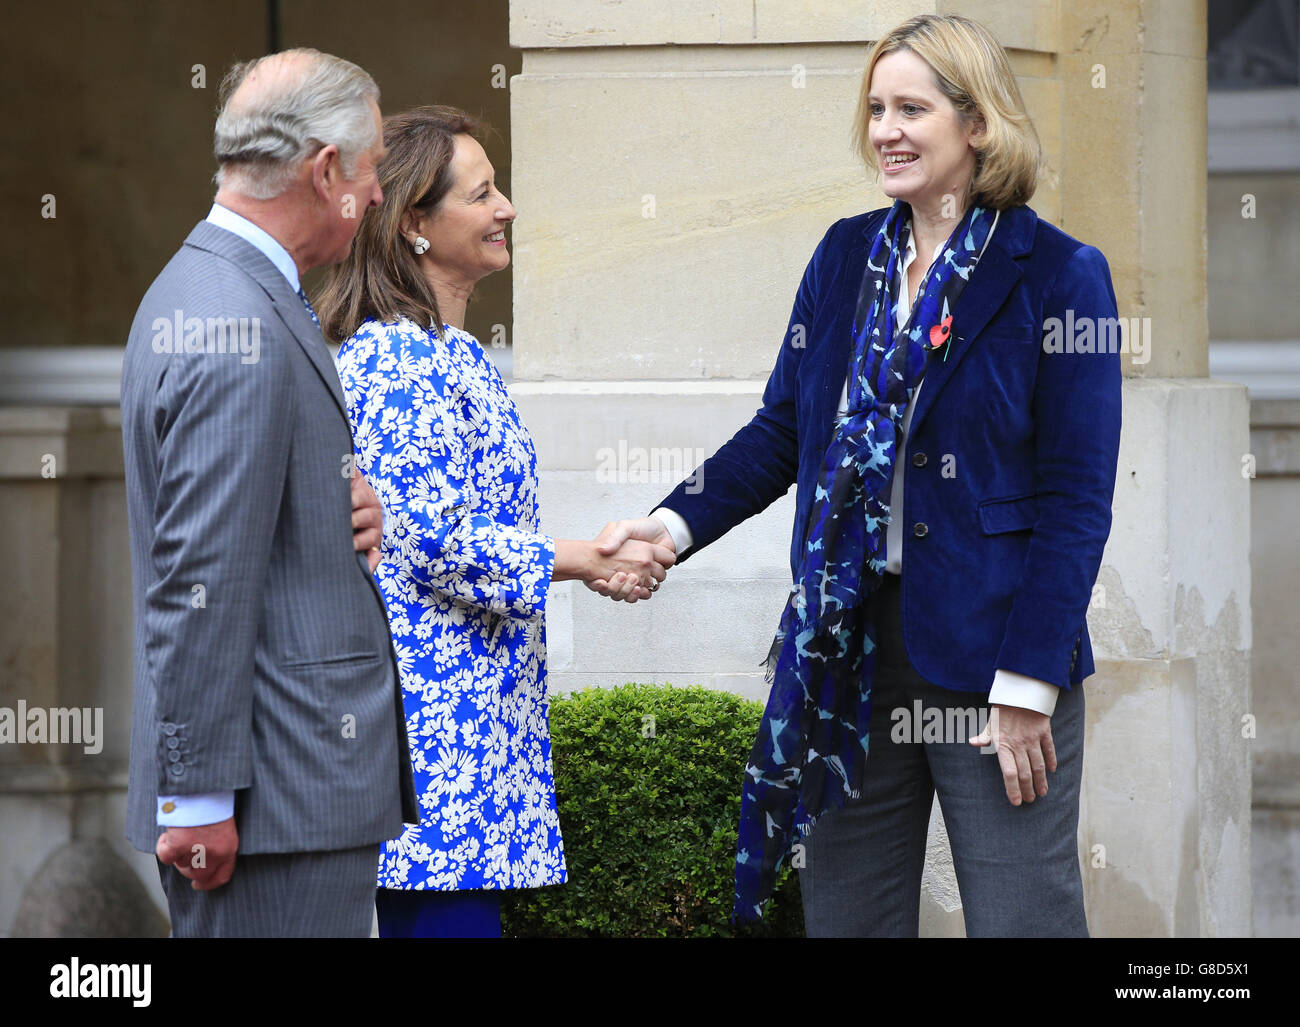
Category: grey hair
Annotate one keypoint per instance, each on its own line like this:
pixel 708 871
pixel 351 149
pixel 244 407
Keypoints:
pixel 259 142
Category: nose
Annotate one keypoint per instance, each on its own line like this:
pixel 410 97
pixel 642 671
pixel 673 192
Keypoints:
pixel 887 130
pixel 505 212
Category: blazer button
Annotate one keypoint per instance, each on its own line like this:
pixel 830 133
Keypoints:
pixel 920 529
pixel 918 459
pixel 176 770
pixel 169 729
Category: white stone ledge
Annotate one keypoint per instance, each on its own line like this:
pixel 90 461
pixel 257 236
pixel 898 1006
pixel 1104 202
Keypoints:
pixel 66 375
pixel 1269 368
pixel 92 375
pixel 1253 130
pixel 633 387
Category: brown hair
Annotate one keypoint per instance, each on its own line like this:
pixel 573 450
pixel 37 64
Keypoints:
pixel 381 277
pixel 971 70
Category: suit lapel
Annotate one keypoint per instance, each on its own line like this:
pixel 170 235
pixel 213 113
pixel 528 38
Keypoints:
pixel 995 276
pixel 290 307
pixel 288 304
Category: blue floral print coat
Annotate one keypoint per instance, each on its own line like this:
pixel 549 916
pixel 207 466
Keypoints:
pixel 464 576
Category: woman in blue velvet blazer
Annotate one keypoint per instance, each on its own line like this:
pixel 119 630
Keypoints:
pixel 1009 446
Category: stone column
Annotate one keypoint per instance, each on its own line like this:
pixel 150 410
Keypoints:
pixel 65 630
pixel 674 166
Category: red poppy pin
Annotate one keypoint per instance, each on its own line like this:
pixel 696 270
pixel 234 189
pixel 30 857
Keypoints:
pixel 941 334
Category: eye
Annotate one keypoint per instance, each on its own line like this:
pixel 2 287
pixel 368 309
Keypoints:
pixel 911 109
pixel 877 110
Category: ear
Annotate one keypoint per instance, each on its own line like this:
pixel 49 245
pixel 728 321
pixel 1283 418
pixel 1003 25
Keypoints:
pixel 409 226
pixel 326 171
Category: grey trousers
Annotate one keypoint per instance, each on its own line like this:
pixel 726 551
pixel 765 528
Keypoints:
pixel 280 895
pixel 1017 866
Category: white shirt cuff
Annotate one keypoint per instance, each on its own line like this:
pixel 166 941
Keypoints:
pixel 195 810
pixel 676 527
pixel 1012 689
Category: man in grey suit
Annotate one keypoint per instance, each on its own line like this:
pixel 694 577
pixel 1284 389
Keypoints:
pixel 268 719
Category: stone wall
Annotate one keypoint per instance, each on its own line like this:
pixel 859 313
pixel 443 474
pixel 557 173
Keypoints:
pixel 700 151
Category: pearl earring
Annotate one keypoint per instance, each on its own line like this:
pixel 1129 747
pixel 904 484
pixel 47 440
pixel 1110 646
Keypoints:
pixel 420 245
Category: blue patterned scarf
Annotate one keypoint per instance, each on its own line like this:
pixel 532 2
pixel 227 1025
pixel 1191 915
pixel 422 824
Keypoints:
pixel 811 748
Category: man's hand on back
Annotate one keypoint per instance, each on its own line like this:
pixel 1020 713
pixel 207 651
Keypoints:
pixel 367 520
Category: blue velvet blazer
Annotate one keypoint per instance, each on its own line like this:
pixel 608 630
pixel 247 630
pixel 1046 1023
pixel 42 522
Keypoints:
pixel 1011 455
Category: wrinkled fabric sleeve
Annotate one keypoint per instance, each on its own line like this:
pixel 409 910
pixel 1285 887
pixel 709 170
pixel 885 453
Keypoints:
pixel 412 440
pixel 1077 410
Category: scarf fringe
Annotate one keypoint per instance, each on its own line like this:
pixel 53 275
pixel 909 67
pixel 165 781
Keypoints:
pixel 772 658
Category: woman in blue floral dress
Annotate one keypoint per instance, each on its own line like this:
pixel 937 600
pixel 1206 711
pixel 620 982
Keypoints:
pixel 466 569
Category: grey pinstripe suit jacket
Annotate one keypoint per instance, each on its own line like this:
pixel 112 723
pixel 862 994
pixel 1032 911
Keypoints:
pixel 263 660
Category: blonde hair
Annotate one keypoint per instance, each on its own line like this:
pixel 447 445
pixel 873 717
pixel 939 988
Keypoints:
pixel 971 70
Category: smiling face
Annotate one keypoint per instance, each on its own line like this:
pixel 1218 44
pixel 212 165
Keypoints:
pixel 921 142
pixel 466 231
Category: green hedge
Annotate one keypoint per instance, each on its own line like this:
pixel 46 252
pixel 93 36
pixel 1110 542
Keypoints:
pixel 648 779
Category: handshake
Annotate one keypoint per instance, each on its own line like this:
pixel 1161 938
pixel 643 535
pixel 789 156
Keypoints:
pixel 626 561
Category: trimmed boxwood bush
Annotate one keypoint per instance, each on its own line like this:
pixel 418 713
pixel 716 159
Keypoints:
pixel 648 779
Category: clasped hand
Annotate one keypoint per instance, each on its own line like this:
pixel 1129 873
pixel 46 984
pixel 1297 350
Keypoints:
pixel 631 558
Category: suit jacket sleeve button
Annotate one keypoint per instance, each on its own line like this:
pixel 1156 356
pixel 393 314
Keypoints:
pixel 169 729
pixel 920 529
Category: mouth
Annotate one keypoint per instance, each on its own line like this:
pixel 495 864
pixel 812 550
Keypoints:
pixel 496 238
pixel 894 161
